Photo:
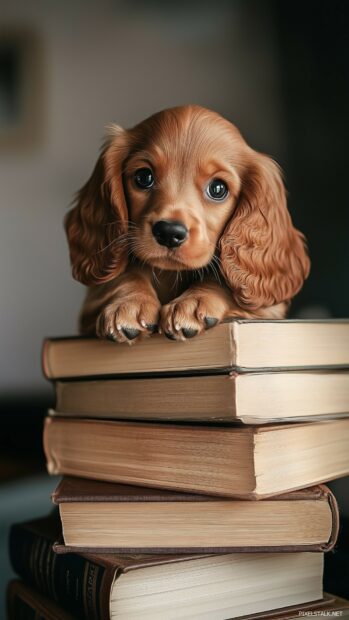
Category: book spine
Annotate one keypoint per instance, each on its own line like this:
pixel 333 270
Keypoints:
pixel 78 584
pixel 18 607
pixel 23 603
pixel 45 357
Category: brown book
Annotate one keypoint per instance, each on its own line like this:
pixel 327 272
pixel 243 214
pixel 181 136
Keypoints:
pixel 231 345
pixel 250 398
pixel 24 603
pixel 246 462
pixel 82 583
pixel 162 587
pixel 105 517
pixel 330 606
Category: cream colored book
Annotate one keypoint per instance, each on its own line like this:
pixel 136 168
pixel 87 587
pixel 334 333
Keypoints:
pixel 251 398
pixel 231 345
pixel 210 588
pixel 247 462
pixel 105 517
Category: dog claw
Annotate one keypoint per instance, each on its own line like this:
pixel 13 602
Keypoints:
pixel 111 337
pixel 170 336
pixel 130 332
pixel 151 327
pixel 188 332
pixel 210 322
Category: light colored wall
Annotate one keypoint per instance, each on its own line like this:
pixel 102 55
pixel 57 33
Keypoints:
pixel 110 61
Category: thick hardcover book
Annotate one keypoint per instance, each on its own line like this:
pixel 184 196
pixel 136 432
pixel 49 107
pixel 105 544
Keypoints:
pixel 329 606
pixel 236 345
pixel 105 518
pixel 81 583
pixel 24 603
pixel 250 398
pixel 248 462
pixel 213 587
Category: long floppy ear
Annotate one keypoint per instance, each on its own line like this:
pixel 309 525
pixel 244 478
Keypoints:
pixel 264 258
pixel 96 223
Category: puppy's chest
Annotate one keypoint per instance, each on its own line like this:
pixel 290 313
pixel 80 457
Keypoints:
pixel 170 284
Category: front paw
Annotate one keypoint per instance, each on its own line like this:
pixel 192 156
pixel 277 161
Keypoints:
pixel 190 315
pixel 128 319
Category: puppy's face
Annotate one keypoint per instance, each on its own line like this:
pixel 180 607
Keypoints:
pixel 175 189
pixel 181 184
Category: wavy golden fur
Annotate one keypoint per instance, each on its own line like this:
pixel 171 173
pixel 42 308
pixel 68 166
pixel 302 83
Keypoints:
pixel 171 257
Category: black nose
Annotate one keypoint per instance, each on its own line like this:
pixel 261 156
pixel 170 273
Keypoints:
pixel 170 233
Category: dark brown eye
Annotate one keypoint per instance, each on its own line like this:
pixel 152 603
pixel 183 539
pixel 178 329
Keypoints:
pixel 217 189
pixel 144 178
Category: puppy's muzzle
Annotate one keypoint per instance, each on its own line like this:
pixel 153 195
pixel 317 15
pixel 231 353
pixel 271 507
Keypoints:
pixel 170 233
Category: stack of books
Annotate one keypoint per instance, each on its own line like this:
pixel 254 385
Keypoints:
pixel 193 476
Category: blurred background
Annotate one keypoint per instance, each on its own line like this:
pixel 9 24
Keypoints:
pixel 276 68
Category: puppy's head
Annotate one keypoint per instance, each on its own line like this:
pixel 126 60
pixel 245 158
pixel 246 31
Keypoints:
pixel 181 186
pixel 183 189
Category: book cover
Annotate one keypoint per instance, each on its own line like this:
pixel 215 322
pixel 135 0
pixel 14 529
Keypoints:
pixel 247 462
pixel 105 518
pixel 237 344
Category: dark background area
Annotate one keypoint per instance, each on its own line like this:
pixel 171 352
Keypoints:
pixel 277 68
pixel 313 58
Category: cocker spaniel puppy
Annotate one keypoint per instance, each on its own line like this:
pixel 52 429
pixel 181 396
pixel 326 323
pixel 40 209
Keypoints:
pixel 181 225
